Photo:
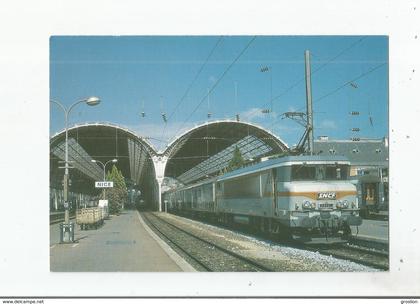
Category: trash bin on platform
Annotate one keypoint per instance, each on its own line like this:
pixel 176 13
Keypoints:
pixel 64 229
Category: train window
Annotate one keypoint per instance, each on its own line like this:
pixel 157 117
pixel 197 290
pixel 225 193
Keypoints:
pixel 243 187
pixel 266 183
pixel 336 172
pixel 207 192
pixel 303 172
pixel 319 172
pixel 283 174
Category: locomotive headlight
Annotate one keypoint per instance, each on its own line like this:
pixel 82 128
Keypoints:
pixel 339 205
pixel 345 204
pixel 306 205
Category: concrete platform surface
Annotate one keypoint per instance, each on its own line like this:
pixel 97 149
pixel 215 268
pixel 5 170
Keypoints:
pixel 375 230
pixel 123 243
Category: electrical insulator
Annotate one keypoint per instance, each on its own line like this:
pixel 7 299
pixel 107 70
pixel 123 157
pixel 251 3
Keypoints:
pixel 208 115
pixel 355 139
pixel 265 111
pixel 355 129
pixel 237 117
pixel 164 117
pixel 143 114
pixel 354 113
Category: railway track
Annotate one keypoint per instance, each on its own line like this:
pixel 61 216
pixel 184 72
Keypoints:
pixel 357 253
pixel 364 256
pixel 205 255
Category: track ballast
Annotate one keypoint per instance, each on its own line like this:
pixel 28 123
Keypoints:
pixel 203 254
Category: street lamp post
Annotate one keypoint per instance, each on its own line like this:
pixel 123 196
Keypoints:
pixel 91 101
pixel 104 167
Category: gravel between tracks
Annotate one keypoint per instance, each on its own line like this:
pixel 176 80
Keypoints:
pixel 201 255
pixel 273 255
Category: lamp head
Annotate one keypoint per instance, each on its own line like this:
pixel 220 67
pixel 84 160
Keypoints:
pixel 93 101
pixel 115 160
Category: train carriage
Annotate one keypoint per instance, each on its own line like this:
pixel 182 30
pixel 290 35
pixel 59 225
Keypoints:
pixel 306 197
pixel 372 193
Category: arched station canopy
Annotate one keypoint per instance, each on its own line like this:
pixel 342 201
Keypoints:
pixel 206 149
pixel 103 142
pixel 200 152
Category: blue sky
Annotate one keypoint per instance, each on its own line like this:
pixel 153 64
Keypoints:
pixel 129 71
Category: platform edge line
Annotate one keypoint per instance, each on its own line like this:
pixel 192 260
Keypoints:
pixel 171 253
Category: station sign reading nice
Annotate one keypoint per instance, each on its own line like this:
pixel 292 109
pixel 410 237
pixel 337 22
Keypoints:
pixel 104 184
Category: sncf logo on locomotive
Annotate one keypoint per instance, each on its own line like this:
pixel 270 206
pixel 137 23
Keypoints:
pixel 326 195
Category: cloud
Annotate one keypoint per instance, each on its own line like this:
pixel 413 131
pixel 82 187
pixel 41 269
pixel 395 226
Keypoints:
pixel 254 114
pixel 158 134
pixel 212 79
pixel 282 128
pixel 328 124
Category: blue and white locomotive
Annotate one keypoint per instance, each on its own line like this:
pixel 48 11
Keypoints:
pixel 306 197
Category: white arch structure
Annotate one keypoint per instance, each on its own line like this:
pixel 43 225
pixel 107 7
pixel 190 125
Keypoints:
pixel 160 158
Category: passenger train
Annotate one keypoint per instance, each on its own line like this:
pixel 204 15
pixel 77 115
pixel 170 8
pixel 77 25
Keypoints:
pixel 306 198
pixel 372 191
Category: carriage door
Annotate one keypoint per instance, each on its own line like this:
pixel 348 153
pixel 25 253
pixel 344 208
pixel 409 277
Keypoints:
pixel 370 195
pixel 274 190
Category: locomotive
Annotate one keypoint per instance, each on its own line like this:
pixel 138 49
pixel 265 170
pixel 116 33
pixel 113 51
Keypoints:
pixel 305 198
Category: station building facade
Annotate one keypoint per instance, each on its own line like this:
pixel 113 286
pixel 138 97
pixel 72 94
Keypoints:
pixel 369 166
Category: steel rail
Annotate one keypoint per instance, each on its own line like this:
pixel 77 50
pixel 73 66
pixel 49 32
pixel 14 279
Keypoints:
pixel 224 250
pixel 154 227
pixel 343 252
pixel 329 251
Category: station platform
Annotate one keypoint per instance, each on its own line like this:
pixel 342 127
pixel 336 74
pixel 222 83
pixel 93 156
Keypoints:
pixel 372 231
pixel 123 243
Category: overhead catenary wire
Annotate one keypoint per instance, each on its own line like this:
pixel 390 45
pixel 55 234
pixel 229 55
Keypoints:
pixel 236 101
pixel 208 105
pixel 352 129
pixel 341 86
pixel 196 77
pixel 192 83
pixel 350 81
pixel 354 85
pixel 218 80
pixel 296 83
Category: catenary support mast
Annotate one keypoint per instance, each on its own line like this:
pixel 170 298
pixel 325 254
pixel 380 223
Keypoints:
pixel 309 111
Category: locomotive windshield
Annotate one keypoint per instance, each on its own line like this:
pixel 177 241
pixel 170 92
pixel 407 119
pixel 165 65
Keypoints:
pixel 319 172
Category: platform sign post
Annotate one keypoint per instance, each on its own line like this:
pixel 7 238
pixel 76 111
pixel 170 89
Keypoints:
pixel 103 204
pixel 104 185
